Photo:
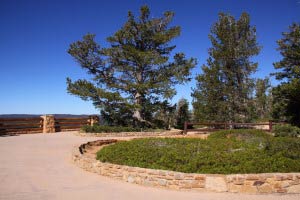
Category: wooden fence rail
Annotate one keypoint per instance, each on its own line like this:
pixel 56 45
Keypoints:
pixel 44 124
pixel 208 127
pixel 21 125
pixel 68 124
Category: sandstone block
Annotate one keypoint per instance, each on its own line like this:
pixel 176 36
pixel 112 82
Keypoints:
pixel 148 183
pixel 238 181
pixel 141 170
pixel 179 176
pixel 293 189
pixel 252 177
pixel 234 188
pixel 153 172
pixel 285 184
pixel 281 190
pixel 162 173
pixel 199 177
pixel 249 189
pixel 169 177
pixel 265 188
pixel 162 182
pixel 217 184
pixel 173 187
pixel 130 179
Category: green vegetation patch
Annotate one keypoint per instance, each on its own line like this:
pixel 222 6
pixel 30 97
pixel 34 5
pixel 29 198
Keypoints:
pixel 115 129
pixel 240 134
pixel 286 130
pixel 256 153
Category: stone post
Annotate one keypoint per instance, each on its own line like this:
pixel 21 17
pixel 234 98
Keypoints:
pixel 185 127
pixel 270 125
pixel 94 120
pixel 48 124
pixel 2 131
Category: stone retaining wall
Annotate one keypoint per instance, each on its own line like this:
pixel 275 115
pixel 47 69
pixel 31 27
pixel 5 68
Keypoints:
pixel 239 183
pixel 131 134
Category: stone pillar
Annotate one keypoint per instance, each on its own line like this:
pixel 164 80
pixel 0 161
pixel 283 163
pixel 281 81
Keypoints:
pixel 185 128
pixel 48 124
pixel 2 131
pixel 270 125
pixel 94 120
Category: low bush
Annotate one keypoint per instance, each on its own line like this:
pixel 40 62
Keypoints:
pixel 241 134
pixel 108 129
pixel 115 129
pixel 220 155
pixel 286 147
pixel 286 130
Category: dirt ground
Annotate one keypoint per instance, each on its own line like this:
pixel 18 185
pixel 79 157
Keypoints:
pixel 38 166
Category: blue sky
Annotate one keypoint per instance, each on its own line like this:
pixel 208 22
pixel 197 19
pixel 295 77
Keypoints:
pixel 35 36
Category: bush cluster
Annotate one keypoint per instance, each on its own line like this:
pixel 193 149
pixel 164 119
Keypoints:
pixel 239 134
pixel 286 130
pixel 108 129
pixel 225 152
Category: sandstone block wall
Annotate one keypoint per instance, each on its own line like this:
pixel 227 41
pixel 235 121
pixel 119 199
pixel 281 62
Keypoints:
pixel 132 134
pixel 238 183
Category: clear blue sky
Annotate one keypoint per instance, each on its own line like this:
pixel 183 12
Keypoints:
pixel 35 36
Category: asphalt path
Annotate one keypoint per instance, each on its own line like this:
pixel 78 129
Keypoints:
pixel 39 166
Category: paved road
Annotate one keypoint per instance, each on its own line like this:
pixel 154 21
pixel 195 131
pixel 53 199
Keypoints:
pixel 38 166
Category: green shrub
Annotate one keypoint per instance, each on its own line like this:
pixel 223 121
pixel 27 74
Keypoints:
pixel 286 130
pixel 220 156
pixel 241 134
pixel 115 129
pixel 287 147
pixel 108 129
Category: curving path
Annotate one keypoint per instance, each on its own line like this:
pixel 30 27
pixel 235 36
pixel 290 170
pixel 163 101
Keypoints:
pixel 38 166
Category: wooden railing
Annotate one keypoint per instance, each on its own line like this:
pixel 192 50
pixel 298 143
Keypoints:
pixel 209 127
pixel 68 124
pixel 21 125
pixel 44 124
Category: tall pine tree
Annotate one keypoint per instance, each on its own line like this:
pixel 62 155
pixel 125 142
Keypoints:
pixel 136 70
pixel 262 98
pixel 225 87
pixel 182 113
pixel 165 115
pixel 286 96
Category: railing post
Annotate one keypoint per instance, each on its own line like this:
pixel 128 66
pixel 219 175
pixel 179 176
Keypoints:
pixel 185 127
pixel 270 125
pixel 48 124
pixel 1 130
pixel 94 120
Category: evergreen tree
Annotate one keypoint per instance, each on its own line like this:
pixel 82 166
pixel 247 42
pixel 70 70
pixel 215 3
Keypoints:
pixel 286 96
pixel 182 113
pixel 165 115
pixel 135 70
pixel 116 115
pixel 225 87
pixel 262 98
pixel 209 98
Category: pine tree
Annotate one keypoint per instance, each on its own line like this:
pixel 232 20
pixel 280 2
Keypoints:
pixel 165 115
pixel 225 87
pixel 262 98
pixel 209 97
pixel 286 96
pixel 182 113
pixel 136 69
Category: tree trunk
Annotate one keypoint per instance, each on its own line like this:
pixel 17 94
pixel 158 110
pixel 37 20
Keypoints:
pixel 137 112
